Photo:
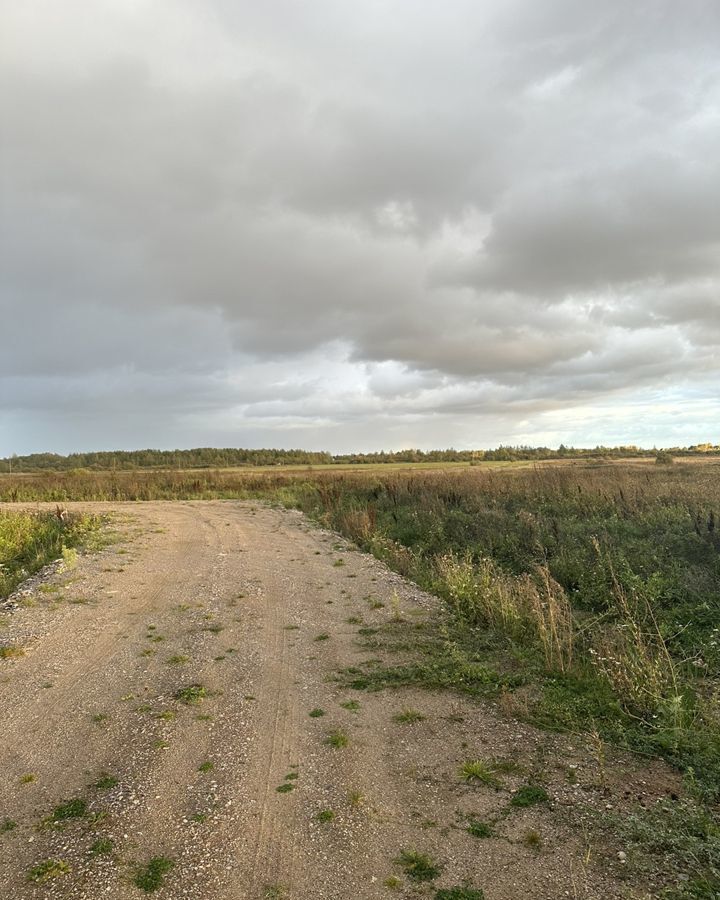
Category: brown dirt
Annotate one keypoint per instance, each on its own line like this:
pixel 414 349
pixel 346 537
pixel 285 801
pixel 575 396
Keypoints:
pixel 243 592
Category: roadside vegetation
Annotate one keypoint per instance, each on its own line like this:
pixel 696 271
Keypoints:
pixel 583 598
pixel 30 540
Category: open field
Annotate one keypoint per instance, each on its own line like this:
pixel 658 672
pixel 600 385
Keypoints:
pixel 573 660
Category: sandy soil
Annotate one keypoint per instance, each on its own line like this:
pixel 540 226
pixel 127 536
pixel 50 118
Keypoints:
pixel 233 597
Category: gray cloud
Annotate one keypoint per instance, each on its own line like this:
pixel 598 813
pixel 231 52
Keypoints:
pixel 342 223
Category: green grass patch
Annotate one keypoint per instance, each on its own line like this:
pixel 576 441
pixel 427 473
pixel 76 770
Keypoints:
pixel 418 866
pixel 529 795
pixel 151 876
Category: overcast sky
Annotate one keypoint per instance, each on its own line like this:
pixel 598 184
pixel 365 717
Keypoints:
pixel 359 225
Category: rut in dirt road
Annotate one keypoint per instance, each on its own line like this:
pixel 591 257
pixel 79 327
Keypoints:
pixel 177 705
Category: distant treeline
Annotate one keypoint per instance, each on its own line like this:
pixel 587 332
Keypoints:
pixel 216 458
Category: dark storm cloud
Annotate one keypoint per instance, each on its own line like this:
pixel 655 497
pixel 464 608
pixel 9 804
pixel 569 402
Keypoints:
pixel 465 217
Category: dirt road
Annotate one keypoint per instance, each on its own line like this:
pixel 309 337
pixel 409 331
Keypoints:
pixel 162 709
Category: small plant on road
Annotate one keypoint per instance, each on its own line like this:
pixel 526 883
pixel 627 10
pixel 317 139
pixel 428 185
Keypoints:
pixel 72 809
pixel 192 694
pixel 102 847
pixel 529 795
pixel 418 866
pixel 47 869
pixel 337 739
pixel 325 815
pixel 479 829
pixel 105 782
pixel 408 717
pixel 285 788
pixel 316 713
pixel 459 893
pixel 474 770
pixel 151 876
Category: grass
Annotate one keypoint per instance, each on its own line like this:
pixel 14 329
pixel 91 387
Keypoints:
pixel 325 815
pixel 352 705
pixel 150 877
pixel 31 540
pixel 478 770
pixel 285 788
pixel 7 825
pixel 316 713
pixel 459 893
pixel 479 829
pixel 178 660
pixel 324 636
pixel 105 782
pixel 192 694
pixel 337 739
pixel 533 839
pixel 76 808
pixel 418 866
pixel 529 795
pixel 102 847
pixel 11 652
pixel 408 717
pixel 48 869
pixel 206 766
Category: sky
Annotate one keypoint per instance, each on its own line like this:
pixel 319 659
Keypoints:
pixel 359 226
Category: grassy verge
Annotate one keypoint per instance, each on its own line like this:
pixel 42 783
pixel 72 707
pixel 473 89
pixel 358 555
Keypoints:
pixel 30 540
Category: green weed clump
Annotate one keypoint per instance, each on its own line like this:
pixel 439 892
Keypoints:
pixel 418 866
pixel 150 877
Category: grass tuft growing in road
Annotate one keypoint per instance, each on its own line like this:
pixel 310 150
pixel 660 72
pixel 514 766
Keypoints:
pixel 337 739
pixel 418 866
pixel 150 877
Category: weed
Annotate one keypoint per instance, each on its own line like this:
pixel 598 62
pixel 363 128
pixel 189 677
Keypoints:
pixel 47 869
pixel 192 694
pixel 529 795
pixel 273 892
pixel 325 815
pixel 200 818
pixel 151 876
pixel 105 782
pixel 477 770
pixel 316 713
pixel 178 660
pixel 28 778
pixel 479 829
pixel 408 717
pixel 352 705
pixel 206 766
pixel 285 788
pixel 338 563
pixel 7 825
pixel 102 847
pixel 533 839
pixel 393 883
pixel 69 558
pixel 324 636
pixel 459 893
pixel 354 620
pixel 11 652
pixel 355 799
pixel 71 809
pixel 99 718
pixel 337 739
pixel 418 866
